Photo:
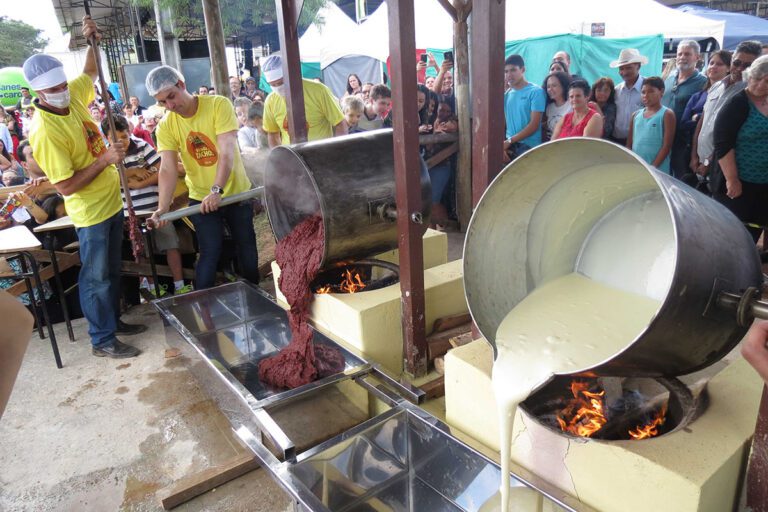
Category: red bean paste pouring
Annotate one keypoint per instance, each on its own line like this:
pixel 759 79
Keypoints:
pixel 299 256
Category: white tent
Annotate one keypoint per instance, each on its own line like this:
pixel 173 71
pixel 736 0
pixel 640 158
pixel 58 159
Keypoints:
pixel 622 18
pixel 336 36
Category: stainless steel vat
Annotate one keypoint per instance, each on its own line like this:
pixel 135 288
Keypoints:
pixel 569 187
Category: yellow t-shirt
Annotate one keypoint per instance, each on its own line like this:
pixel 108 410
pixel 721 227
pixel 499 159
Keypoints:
pixel 63 145
pixel 321 109
pixel 194 138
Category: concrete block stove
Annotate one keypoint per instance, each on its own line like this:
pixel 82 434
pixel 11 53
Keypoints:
pixel 698 468
pixel 370 322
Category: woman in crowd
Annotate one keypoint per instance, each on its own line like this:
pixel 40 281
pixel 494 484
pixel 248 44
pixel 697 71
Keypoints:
pixel 354 85
pixel 559 66
pixel 424 99
pixel 556 85
pixel 582 121
pixel 603 100
pixel 741 132
pixel 718 68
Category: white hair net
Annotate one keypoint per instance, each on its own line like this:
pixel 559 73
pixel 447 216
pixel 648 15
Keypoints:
pixel 272 67
pixel 161 78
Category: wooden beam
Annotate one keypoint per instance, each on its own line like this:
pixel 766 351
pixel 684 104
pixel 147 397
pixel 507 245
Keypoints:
pixel 145 269
pixel 214 29
pixel 442 155
pixel 65 261
pixel 402 49
pixel 434 388
pixel 287 13
pixel 202 482
pixel 461 92
pixel 449 8
pixel 488 93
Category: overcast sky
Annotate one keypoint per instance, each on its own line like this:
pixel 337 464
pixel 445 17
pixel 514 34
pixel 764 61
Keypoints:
pixel 38 13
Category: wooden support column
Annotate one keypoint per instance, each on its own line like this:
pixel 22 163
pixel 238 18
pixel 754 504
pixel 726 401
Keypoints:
pixel 757 476
pixel 402 48
pixel 488 93
pixel 214 29
pixel 461 90
pixel 287 25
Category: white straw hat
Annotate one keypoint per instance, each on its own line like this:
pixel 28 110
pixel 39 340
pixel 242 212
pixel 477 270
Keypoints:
pixel 629 56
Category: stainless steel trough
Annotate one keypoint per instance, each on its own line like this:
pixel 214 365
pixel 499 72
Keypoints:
pixel 403 459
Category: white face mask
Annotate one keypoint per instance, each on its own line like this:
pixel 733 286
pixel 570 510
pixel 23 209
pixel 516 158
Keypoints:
pixel 58 99
pixel 279 89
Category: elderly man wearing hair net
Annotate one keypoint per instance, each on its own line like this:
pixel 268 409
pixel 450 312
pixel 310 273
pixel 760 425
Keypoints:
pixel 203 130
pixel 69 149
pixel 324 116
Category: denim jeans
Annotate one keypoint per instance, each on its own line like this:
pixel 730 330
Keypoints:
pixel 209 229
pixel 99 280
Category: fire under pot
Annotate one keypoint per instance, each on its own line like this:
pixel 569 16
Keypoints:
pixel 359 276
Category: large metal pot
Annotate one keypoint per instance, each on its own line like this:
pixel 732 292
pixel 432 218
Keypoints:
pixel 350 181
pixel 536 218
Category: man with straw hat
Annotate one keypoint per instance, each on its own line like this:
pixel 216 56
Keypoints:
pixel 69 149
pixel 628 98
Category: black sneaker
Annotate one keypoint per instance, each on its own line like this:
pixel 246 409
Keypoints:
pixel 117 350
pixel 129 329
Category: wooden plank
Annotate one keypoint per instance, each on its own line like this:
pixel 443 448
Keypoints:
pixel 202 482
pixel 145 269
pixel 439 343
pixel 449 322
pixel 67 260
pixel 442 155
pixel 434 388
pixel 461 340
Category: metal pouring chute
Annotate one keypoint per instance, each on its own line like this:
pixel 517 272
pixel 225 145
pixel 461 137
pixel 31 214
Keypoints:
pixel 542 211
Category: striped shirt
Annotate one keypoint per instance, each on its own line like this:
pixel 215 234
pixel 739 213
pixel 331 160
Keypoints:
pixel 141 155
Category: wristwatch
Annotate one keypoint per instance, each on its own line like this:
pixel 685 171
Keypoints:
pixel 216 190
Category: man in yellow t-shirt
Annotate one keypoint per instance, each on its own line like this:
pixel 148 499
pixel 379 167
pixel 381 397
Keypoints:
pixel 324 116
pixel 203 130
pixel 68 147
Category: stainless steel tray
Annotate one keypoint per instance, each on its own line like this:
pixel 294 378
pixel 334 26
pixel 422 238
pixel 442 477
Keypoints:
pixel 402 460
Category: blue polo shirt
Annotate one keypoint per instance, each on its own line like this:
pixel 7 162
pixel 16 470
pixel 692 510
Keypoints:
pixel 676 96
pixel 518 105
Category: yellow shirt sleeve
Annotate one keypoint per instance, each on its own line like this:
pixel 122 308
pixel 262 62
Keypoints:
pixel 53 155
pixel 330 108
pixel 269 121
pixel 165 139
pixel 81 89
pixel 224 116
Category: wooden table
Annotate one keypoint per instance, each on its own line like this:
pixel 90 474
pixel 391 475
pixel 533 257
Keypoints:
pixel 19 240
pixel 66 222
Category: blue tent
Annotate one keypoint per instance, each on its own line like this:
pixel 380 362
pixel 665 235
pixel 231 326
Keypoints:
pixel 738 27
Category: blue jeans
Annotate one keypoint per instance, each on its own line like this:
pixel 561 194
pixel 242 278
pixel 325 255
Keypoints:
pixel 209 229
pixel 99 280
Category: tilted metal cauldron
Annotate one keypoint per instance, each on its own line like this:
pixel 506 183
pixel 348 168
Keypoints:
pixel 350 181
pixel 526 231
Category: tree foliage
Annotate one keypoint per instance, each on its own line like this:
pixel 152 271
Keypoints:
pixel 18 41
pixel 235 14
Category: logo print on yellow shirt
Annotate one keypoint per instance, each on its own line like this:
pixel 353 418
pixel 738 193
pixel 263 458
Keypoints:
pixel 202 149
pixel 94 139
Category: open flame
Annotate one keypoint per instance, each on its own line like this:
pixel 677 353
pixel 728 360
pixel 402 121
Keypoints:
pixel 350 283
pixel 652 428
pixel 584 414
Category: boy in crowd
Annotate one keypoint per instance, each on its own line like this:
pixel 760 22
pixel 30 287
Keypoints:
pixel 377 107
pixel 524 105
pixel 252 135
pixel 652 130
pixel 353 108
pixel 141 164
